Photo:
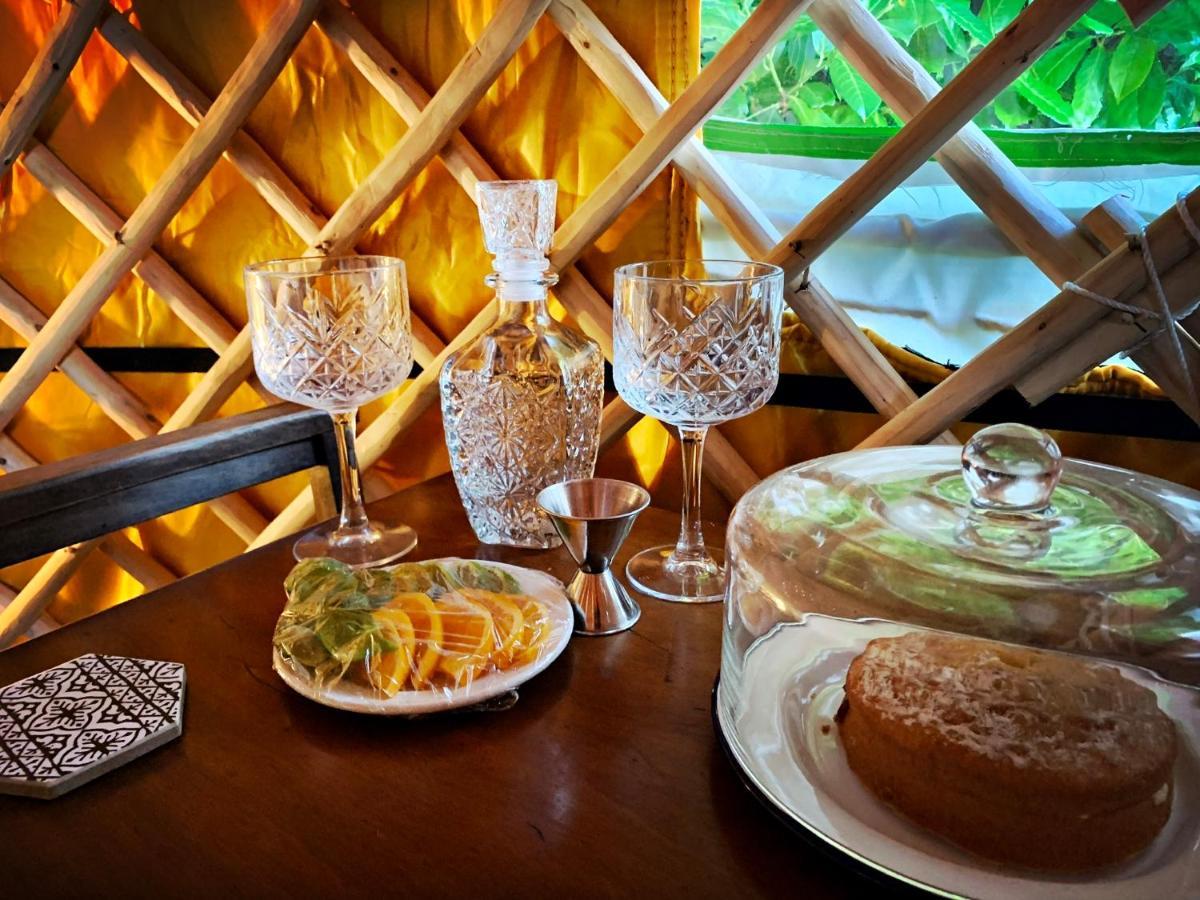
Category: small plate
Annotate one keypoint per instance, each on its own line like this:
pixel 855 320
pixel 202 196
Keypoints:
pixel 546 589
pixel 787 744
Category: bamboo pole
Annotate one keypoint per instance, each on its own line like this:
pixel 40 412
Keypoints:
pixel 1113 222
pixel 45 78
pixel 1034 225
pixel 104 223
pixel 844 341
pixel 673 128
pixel 117 401
pixel 271 183
pixel 1051 327
pixel 146 570
pixel 245 153
pixel 995 67
pixel 453 102
pixel 31 601
pixel 243 91
pixel 44 624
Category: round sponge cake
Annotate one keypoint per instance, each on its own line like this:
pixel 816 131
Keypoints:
pixel 1025 757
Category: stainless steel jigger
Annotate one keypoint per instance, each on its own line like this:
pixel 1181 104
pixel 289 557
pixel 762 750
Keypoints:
pixel 593 516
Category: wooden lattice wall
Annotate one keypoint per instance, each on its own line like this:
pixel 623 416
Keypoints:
pixel 1063 339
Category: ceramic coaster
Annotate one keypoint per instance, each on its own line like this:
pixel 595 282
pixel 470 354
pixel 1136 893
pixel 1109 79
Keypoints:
pixel 65 726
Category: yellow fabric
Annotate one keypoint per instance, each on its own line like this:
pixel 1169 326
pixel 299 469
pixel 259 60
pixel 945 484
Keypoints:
pixel 327 128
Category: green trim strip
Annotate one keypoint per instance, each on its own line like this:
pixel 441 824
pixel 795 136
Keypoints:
pixel 1031 148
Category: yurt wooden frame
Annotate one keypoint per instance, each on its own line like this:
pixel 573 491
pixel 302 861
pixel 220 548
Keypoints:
pixel 1102 257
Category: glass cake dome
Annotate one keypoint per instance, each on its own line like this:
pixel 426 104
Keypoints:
pixel 1001 539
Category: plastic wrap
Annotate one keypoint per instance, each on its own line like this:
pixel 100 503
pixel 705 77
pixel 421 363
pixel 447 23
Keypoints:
pixel 436 626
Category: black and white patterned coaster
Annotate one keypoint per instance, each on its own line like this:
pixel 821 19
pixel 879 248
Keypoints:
pixel 65 726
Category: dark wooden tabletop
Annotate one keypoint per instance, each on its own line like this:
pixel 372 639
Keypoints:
pixel 605 779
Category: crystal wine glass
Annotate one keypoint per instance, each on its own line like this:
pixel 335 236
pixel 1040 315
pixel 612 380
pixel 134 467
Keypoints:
pixel 695 343
pixel 334 333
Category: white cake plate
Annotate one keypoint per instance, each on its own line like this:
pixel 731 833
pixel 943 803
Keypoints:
pixel 786 743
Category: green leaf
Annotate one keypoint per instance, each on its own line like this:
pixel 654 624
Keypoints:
pixel 1057 66
pixel 959 12
pixel 996 14
pixel 816 94
pixel 1151 97
pixel 1043 97
pixel 1119 113
pixel 958 43
pixel 851 87
pixel 807 115
pixel 901 22
pixel 1131 63
pixel 1010 111
pixel 1095 26
pixel 1087 100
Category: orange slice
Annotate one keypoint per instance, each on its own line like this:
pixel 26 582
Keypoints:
pixel 468 638
pixel 427 631
pixel 508 619
pixel 387 670
pixel 533 634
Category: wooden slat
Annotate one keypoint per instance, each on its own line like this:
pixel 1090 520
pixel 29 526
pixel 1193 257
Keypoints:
pixel 453 102
pixel 31 601
pixel 104 223
pixel 1113 223
pixel 749 226
pixel 148 571
pixel 247 156
pixel 673 128
pixel 1034 225
pixel 44 624
pixel 1052 327
pixel 995 67
pixel 133 559
pixel 45 78
pixel 271 183
pixel 243 91
pixel 117 401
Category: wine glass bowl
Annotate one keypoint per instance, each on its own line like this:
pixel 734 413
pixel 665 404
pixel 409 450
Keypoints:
pixel 695 343
pixel 334 333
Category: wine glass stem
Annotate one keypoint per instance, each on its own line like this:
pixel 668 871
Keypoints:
pixel 353 520
pixel 691 535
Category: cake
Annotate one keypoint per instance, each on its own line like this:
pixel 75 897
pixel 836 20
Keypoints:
pixel 1024 757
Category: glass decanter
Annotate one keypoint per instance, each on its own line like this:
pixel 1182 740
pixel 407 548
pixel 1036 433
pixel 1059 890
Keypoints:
pixel 521 405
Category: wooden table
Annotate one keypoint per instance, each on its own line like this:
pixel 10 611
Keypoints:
pixel 605 779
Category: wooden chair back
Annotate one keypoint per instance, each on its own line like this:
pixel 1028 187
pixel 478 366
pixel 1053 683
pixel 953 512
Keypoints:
pixel 77 499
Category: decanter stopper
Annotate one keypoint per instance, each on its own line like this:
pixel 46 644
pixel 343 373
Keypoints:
pixel 1011 468
pixel 518 225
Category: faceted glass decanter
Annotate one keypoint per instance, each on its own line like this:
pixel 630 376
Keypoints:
pixel 521 405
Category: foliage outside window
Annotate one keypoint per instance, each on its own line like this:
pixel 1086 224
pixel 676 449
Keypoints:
pixel 1102 73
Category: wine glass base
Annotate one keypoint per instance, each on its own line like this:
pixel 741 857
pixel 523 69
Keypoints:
pixel 380 544
pixel 650 573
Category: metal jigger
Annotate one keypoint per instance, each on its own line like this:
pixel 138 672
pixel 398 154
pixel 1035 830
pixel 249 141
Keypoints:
pixel 593 516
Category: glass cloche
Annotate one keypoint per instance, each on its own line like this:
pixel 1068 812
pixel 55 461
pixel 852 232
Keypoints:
pixel 1001 539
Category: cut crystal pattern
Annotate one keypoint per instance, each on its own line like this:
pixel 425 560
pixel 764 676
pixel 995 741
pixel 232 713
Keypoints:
pixel 521 405
pixel 700 360
pixel 333 341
